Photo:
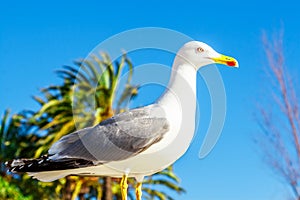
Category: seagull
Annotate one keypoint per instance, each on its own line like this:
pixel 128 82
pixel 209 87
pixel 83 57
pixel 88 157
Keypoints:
pixel 135 143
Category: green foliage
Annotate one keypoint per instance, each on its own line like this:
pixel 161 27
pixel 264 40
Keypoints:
pixel 14 138
pixel 11 192
pixel 85 98
pixel 166 179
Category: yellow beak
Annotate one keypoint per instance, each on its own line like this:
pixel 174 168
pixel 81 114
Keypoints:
pixel 226 60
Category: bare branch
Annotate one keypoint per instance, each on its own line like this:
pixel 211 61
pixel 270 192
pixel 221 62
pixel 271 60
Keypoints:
pixel 281 141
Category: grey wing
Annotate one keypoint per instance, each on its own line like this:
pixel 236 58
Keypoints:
pixel 117 138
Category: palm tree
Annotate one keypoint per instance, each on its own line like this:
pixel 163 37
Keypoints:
pixel 16 142
pixel 85 98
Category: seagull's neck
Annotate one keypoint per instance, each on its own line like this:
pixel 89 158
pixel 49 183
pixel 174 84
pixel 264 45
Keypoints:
pixel 179 107
pixel 181 91
pixel 182 83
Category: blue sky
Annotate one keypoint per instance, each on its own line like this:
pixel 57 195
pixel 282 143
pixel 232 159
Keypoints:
pixel 37 38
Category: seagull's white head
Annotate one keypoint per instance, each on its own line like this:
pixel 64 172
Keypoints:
pixel 200 54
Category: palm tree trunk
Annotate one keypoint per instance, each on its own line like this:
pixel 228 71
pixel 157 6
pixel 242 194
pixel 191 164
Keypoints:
pixel 107 192
pixel 67 194
pixel 107 184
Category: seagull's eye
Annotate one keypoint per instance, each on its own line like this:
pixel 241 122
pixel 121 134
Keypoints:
pixel 200 49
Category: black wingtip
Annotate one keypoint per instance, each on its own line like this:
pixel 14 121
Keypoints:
pixel 45 164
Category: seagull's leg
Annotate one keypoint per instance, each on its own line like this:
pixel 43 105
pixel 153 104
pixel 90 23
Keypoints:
pixel 138 191
pixel 124 187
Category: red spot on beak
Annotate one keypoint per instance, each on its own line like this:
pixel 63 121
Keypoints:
pixel 231 63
